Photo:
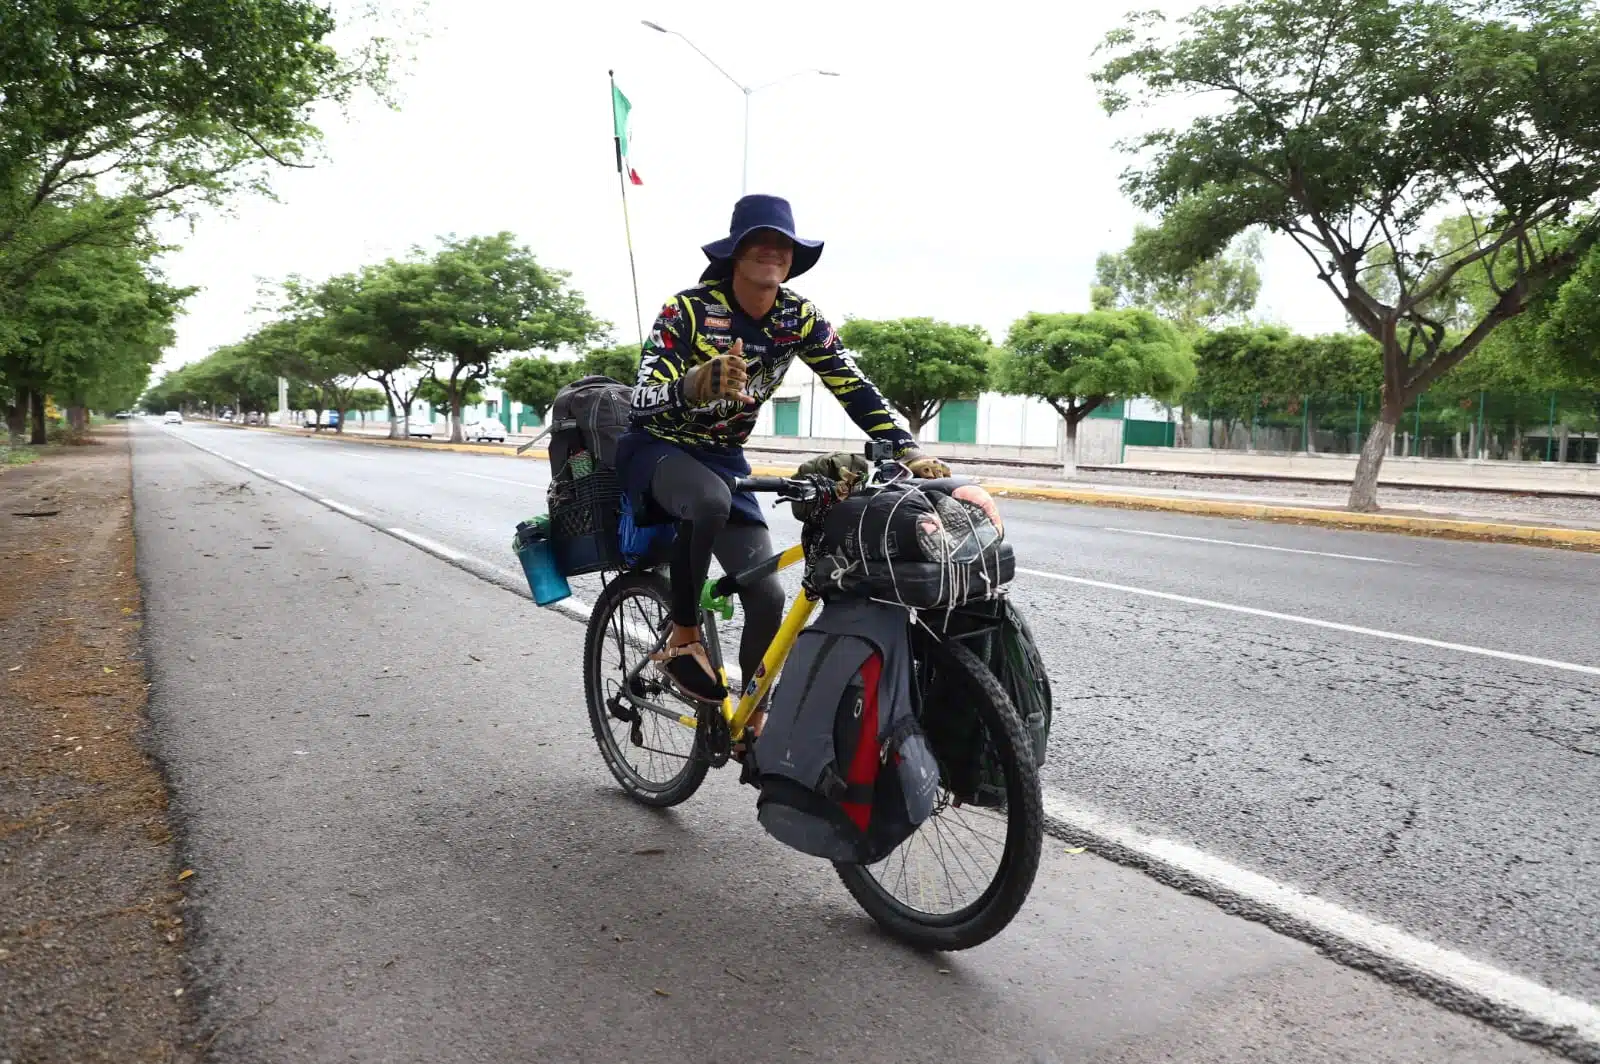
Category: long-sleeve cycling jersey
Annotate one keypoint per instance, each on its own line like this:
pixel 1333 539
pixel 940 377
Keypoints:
pixel 699 324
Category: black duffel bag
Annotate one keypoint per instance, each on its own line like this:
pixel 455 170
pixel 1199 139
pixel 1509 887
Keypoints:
pixel 924 544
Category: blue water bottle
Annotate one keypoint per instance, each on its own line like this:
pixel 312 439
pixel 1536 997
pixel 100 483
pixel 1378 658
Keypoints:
pixel 545 579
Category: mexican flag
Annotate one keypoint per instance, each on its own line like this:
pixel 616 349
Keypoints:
pixel 619 115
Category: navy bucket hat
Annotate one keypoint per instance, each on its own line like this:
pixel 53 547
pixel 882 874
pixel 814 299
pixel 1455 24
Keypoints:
pixel 763 212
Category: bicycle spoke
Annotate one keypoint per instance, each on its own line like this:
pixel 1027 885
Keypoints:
pixel 964 859
pixel 633 630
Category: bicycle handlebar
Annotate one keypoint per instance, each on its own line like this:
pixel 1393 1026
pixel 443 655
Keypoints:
pixel 780 485
pixel 792 488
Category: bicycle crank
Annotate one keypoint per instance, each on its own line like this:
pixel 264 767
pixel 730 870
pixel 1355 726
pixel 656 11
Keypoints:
pixel 712 729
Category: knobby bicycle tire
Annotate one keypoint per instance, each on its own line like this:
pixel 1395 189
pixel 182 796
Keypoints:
pixel 1003 899
pixel 598 638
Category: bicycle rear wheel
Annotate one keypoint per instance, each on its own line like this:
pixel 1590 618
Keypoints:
pixel 653 756
pixel 964 875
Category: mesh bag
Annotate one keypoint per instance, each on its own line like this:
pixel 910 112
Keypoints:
pixel 584 512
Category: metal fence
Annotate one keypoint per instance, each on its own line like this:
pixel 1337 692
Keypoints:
pixel 1556 427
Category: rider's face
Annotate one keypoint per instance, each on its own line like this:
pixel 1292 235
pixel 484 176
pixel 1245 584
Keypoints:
pixel 764 258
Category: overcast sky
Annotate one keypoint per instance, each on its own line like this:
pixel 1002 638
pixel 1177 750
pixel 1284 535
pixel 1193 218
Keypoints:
pixel 960 167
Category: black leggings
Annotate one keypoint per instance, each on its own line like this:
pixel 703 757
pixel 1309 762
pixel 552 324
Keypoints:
pixel 701 501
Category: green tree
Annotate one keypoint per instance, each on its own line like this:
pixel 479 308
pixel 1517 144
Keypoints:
pixel 489 295
pixel 366 400
pixel 535 381
pixel 376 315
pixel 620 362
pixel 1075 362
pixel 303 349
pixel 1232 368
pixel 1346 125
pixel 230 377
pixel 1566 325
pixel 918 363
pixel 86 331
pixel 176 103
pixel 1220 290
pixel 432 391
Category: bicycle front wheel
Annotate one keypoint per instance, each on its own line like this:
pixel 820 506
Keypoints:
pixel 964 875
pixel 654 756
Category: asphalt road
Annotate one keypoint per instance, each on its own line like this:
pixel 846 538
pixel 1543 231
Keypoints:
pixel 1446 792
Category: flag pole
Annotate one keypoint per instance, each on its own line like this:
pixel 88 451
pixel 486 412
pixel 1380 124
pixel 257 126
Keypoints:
pixel 627 229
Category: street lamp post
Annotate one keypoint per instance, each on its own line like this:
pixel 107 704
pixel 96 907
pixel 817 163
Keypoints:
pixel 747 90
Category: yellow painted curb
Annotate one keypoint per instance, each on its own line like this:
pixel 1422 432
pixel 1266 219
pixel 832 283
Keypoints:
pixel 1441 527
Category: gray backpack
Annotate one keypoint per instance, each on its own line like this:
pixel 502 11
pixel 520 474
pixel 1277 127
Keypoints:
pixel 844 770
pixel 590 414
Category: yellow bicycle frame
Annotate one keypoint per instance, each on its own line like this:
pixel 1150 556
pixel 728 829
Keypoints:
pixel 755 687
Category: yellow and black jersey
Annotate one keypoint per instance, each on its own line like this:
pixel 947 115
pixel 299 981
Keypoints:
pixel 702 323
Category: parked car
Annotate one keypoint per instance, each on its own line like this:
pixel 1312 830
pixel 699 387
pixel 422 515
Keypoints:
pixel 172 418
pixel 418 427
pixel 480 431
pixel 123 415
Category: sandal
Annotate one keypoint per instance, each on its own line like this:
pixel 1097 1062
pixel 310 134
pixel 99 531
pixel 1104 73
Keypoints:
pixel 690 672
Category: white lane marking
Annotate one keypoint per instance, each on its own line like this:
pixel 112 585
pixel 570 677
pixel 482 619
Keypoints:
pixel 1294 618
pixel 261 472
pixel 428 545
pixel 1258 546
pixel 483 476
pixel 576 608
pixel 292 486
pixel 348 511
pixel 1446 965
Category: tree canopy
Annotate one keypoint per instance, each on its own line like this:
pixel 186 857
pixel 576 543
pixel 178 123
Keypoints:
pixel 1218 291
pixel 534 381
pixel 87 329
pixel 620 362
pixel 487 296
pixel 1075 362
pixel 174 102
pixel 1347 125
pixel 919 363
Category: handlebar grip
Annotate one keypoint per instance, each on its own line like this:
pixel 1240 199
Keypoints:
pixel 773 484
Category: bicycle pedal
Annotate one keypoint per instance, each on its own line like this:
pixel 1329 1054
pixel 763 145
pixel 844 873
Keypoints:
pixel 749 771
pixel 715 739
pixel 622 711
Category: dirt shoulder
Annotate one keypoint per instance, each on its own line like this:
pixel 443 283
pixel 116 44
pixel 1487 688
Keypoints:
pixel 91 930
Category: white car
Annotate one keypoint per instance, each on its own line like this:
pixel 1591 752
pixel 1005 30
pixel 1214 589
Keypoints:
pixel 172 418
pixel 479 431
pixel 418 427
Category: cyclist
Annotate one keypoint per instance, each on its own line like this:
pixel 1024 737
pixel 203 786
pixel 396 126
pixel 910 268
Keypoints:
pixel 716 353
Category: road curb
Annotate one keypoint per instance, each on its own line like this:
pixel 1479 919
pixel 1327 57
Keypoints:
pixel 1434 527
pixel 1580 539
